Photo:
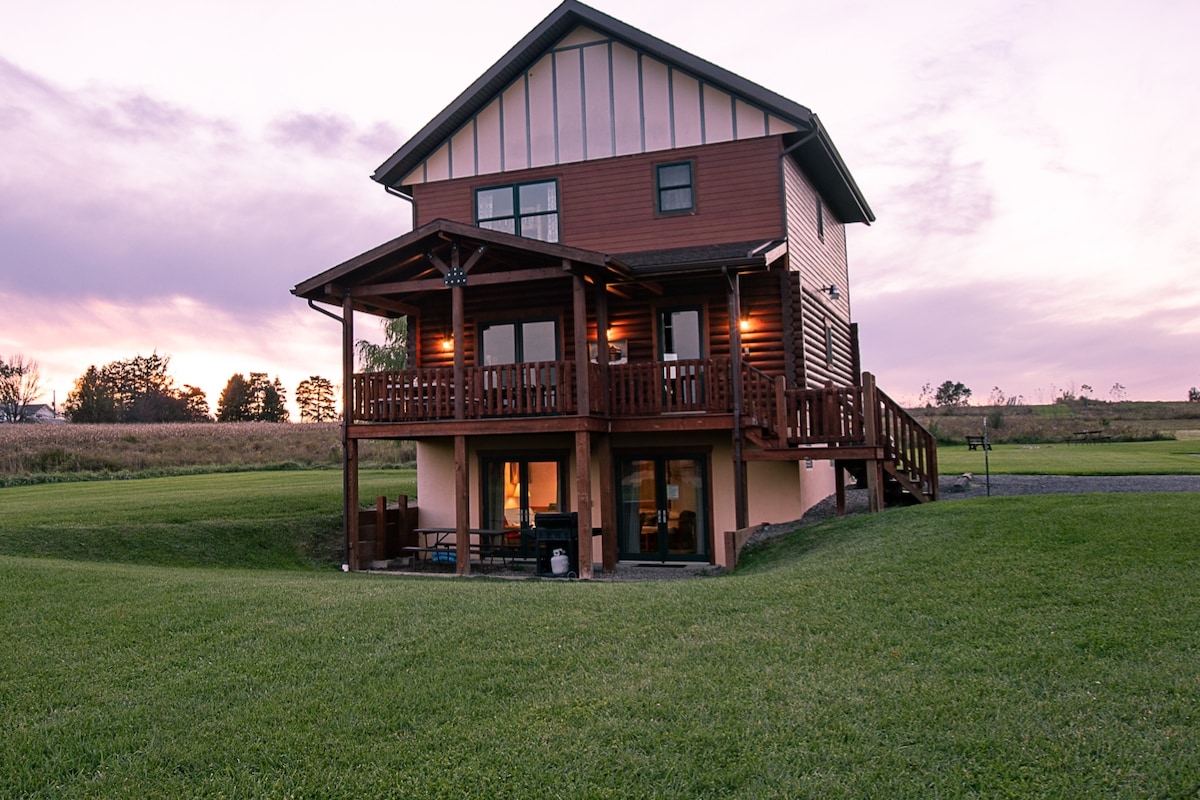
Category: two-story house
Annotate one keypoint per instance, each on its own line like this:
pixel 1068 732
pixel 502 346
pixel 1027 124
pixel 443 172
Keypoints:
pixel 628 297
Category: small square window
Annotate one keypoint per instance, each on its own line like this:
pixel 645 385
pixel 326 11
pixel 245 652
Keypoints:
pixel 674 186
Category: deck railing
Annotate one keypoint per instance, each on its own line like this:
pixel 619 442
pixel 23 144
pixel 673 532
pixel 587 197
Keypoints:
pixel 835 416
pixel 428 395
pixel 543 388
pixel 830 416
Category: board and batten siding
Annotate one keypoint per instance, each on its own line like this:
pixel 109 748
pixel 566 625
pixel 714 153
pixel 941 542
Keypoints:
pixel 593 97
pixel 610 205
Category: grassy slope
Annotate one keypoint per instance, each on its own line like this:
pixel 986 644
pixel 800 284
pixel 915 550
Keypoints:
pixel 273 520
pixel 1015 647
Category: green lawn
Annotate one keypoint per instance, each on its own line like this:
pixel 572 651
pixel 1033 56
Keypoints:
pixel 1113 458
pixel 1009 647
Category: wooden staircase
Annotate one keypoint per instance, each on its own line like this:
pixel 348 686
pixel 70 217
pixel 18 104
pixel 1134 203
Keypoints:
pixel 862 430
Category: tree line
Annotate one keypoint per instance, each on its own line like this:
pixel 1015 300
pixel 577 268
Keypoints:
pixel 140 389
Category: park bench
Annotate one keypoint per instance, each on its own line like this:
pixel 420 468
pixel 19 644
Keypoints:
pixel 976 442
pixel 1088 437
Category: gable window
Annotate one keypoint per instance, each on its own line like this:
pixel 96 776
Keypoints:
pixel 674 187
pixel 820 219
pixel 524 209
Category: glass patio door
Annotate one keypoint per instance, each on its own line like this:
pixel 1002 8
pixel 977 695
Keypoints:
pixel 517 489
pixel 663 508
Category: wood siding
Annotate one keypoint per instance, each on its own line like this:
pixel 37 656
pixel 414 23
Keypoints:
pixel 823 361
pixel 821 261
pixel 593 97
pixel 610 205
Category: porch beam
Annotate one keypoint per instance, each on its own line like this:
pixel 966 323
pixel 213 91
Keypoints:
pixel 436 284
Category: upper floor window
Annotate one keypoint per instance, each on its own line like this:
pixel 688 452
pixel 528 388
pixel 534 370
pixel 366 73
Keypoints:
pixel 820 219
pixel 524 209
pixel 674 186
pixel 518 342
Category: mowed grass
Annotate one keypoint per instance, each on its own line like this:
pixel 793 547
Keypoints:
pixel 1010 647
pixel 1180 457
pixel 266 520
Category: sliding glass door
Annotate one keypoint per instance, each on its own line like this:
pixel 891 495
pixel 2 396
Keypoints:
pixel 515 489
pixel 663 507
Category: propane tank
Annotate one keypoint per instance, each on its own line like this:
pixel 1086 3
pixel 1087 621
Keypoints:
pixel 559 562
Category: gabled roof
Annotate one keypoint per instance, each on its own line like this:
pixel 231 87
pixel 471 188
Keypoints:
pixel 814 150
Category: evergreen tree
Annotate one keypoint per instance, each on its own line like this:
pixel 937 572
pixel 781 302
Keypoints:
pixel 92 400
pixel 234 404
pixel 316 401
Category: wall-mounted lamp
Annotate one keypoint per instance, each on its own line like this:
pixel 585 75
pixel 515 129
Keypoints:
pixel 447 343
pixel 744 324
pixel 832 291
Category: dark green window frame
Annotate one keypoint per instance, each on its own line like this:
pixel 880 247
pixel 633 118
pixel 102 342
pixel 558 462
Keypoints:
pixel 523 209
pixel 675 187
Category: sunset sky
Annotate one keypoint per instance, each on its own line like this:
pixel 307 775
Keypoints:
pixel 168 171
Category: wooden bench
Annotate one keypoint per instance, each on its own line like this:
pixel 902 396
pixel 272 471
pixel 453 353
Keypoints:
pixel 1088 437
pixel 976 442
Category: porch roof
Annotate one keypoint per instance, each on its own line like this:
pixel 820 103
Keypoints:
pixel 755 253
pixel 433 257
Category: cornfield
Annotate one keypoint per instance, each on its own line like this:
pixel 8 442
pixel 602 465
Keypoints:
pixel 65 451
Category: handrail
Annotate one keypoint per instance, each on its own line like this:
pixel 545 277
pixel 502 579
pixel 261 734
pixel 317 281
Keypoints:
pixel 908 445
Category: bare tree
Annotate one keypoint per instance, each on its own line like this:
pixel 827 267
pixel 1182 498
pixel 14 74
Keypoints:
pixel 20 385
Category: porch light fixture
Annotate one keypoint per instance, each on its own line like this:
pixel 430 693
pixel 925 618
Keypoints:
pixel 832 291
pixel 744 324
pixel 447 343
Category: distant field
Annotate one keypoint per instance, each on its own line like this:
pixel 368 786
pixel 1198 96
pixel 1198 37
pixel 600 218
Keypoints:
pixel 43 453
pixel 1173 457
pixel 1057 423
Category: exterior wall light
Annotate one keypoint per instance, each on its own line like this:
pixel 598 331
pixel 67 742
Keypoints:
pixel 832 291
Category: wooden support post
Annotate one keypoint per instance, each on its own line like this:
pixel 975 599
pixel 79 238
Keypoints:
pixel 871 432
pixel 602 349
pixel 456 313
pixel 350 500
pixel 583 490
pixel 582 373
pixel 608 519
pixel 349 446
pixel 782 416
pixel 381 528
pixel 839 480
pixel 462 506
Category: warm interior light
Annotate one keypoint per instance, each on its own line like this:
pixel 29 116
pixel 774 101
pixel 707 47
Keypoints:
pixel 611 334
pixel 447 343
pixel 744 324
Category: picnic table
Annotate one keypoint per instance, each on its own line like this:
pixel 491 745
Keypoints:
pixel 436 546
pixel 1088 437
